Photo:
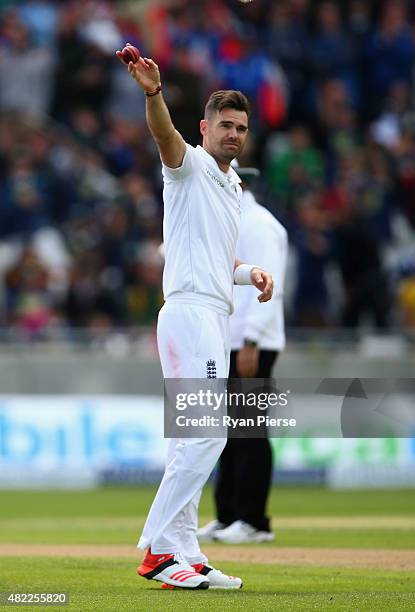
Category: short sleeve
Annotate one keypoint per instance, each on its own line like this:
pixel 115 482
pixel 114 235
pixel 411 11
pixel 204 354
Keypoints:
pixel 183 171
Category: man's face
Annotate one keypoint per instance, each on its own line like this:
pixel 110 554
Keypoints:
pixel 224 134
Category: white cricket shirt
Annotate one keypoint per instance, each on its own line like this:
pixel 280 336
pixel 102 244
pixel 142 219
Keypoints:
pixel 200 229
pixel 262 240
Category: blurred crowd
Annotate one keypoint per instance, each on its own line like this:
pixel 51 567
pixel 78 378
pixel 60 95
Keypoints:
pixel 332 130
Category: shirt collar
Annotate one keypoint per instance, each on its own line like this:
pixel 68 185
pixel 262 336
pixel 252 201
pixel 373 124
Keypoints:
pixel 231 176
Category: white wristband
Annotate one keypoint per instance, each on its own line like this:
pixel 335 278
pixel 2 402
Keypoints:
pixel 242 274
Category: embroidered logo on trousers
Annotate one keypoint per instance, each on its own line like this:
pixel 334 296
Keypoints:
pixel 211 368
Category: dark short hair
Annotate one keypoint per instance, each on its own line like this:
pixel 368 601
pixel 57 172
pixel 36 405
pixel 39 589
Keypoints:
pixel 226 98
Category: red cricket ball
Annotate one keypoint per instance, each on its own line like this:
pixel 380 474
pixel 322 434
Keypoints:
pixel 130 54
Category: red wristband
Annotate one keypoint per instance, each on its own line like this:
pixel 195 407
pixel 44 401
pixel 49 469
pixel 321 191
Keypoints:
pixel 153 93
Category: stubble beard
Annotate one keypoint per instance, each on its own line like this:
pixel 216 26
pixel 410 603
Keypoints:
pixel 228 156
pixel 223 156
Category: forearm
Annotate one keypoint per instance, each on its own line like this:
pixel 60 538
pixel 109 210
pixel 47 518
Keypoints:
pixel 158 119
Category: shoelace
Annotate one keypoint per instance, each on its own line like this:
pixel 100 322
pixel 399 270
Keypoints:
pixel 180 559
pixel 216 570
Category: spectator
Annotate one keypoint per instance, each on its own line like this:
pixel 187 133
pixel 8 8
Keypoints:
pixel 23 210
pixel 406 295
pixel 336 125
pixel 358 255
pixel 29 303
pixel 29 91
pixel 298 158
pixel 390 53
pixel 83 70
pixel 40 17
pixel 93 293
pixel 404 157
pixel 378 195
pixel 184 93
pixel 287 45
pixel 263 81
pixel 140 197
pixel 314 249
pixel 123 102
pixel 397 111
pixel 145 296
pixel 331 50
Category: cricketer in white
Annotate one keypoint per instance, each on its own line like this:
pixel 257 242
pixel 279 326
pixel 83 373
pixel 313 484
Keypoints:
pixel 201 218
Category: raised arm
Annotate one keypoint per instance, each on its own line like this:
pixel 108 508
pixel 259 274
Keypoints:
pixel 169 141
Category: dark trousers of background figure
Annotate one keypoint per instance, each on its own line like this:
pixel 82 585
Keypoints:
pixel 245 468
pixel 369 295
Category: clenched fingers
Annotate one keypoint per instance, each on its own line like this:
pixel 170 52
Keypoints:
pixel 263 281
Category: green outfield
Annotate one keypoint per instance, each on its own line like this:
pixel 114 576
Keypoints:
pixel 334 550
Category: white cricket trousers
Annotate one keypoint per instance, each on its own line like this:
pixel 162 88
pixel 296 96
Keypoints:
pixel 188 336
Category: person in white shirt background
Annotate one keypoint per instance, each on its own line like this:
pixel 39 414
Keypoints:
pixel 201 196
pixel 257 337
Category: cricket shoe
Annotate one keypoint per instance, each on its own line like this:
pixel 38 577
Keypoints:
pixel 242 533
pixel 172 570
pixel 217 579
pixel 206 533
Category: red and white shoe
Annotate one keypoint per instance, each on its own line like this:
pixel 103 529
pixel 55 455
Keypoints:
pixel 217 579
pixel 172 570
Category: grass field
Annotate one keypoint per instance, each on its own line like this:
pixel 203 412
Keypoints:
pixel 335 550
